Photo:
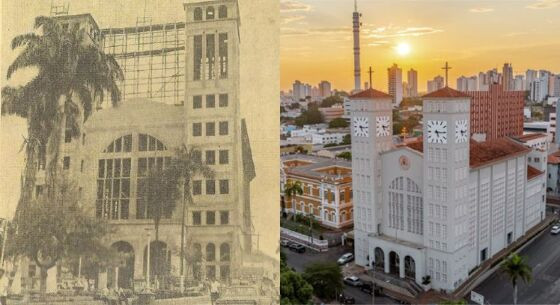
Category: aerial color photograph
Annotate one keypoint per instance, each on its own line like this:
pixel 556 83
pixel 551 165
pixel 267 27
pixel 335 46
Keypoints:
pixel 419 152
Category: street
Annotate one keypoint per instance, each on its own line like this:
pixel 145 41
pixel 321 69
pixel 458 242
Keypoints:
pixel 300 260
pixel 544 257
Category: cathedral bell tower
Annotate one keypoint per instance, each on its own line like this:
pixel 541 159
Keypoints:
pixel 371 133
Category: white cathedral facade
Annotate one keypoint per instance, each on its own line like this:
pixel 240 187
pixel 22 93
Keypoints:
pixel 442 205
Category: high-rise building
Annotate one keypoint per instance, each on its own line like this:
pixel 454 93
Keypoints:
pixel 436 84
pixel 493 76
pixel 483 81
pixel 555 84
pixel 539 88
pixel 356 24
pixel 507 75
pixel 412 81
pixel 395 84
pixel 519 83
pixel 530 76
pixel 325 89
pixel 497 113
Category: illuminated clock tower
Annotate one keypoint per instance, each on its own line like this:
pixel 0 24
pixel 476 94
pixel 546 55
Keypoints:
pixel 371 133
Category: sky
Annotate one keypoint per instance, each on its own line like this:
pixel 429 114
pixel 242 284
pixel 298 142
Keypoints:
pixel 473 36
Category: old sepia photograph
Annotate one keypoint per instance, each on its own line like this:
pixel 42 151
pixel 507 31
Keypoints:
pixel 140 152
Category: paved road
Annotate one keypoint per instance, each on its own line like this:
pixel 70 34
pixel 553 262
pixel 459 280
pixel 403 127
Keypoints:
pixel 544 257
pixel 299 261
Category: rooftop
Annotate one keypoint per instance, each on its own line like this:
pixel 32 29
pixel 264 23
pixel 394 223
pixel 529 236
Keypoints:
pixel 482 153
pixel 554 158
pixel 533 172
pixel 530 136
pixel 371 94
pixel 446 92
pixel 316 167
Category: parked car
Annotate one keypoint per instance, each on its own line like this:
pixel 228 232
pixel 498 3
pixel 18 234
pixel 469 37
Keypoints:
pixel 284 242
pixel 297 248
pixel 555 229
pixel 352 281
pixel 346 299
pixel 345 258
pixel 369 288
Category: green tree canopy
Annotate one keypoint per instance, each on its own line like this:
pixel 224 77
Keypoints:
pixel 347 155
pixel 310 116
pixel 515 267
pixel 331 100
pixel 294 290
pixel 338 123
pixel 325 278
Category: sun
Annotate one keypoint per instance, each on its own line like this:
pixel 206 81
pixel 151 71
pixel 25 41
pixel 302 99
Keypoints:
pixel 403 48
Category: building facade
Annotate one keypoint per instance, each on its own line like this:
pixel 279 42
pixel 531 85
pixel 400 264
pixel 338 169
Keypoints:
pixel 412 83
pixel 327 189
pixel 497 113
pixel 443 204
pixel 395 84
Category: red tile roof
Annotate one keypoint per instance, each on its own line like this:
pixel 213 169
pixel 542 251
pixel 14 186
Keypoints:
pixel 482 153
pixel 446 92
pixel 371 94
pixel 533 172
pixel 554 158
pixel 530 136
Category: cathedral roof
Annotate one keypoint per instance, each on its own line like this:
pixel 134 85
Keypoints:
pixel 533 172
pixel 370 94
pixel 446 92
pixel 483 153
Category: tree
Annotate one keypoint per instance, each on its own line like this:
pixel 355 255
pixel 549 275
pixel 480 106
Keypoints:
pixel 49 231
pixel 311 116
pixel 516 268
pixel 290 189
pixel 73 73
pixel 293 288
pixel 325 278
pixel 347 155
pixel 331 100
pixel 347 140
pixel 338 123
pixel 454 302
pixel 186 165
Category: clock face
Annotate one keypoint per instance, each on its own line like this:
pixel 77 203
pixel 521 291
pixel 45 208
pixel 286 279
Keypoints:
pixel 461 131
pixel 383 126
pixel 437 132
pixel 361 126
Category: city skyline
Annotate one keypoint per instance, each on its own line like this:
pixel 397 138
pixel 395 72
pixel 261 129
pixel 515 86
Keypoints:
pixel 316 42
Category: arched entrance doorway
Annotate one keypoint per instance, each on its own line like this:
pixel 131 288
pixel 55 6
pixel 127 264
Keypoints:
pixel 123 275
pixel 379 259
pixel 394 263
pixel 160 260
pixel 409 267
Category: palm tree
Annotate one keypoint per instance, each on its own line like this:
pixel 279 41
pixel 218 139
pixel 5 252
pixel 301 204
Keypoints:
pixel 188 164
pixel 516 268
pixel 290 189
pixel 73 73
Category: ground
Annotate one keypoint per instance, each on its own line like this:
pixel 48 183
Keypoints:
pixel 544 257
pixel 300 260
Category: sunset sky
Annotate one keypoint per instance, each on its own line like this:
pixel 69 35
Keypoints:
pixel 316 38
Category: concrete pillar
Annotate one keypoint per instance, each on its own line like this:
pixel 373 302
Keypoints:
pixel 401 266
pixel 139 262
pixel 386 255
pixel 419 271
pixel 51 279
pixel 116 279
pixel 102 280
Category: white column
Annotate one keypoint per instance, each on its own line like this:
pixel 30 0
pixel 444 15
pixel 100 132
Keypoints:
pixel 386 254
pixel 401 266
pixel 102 280
pixel 51 279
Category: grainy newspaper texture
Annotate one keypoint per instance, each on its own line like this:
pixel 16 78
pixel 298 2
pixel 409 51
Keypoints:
pixel 140 148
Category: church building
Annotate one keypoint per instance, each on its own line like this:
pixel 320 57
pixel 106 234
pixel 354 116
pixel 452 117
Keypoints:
pixel 442 205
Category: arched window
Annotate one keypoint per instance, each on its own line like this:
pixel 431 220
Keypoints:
pixel 122 144
pixel 210 13
pixel 224 252
pixel 311 209
pixel 197 14
pixel 222 12
pixel 210 252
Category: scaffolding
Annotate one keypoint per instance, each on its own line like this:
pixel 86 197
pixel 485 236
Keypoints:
pixel 152 58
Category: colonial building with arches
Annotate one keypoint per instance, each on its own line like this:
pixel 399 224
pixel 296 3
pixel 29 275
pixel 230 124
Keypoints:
pixel 327 189
pixel 443 204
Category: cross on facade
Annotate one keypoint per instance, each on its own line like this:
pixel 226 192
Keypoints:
pixel 446 68
pixel 370 72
